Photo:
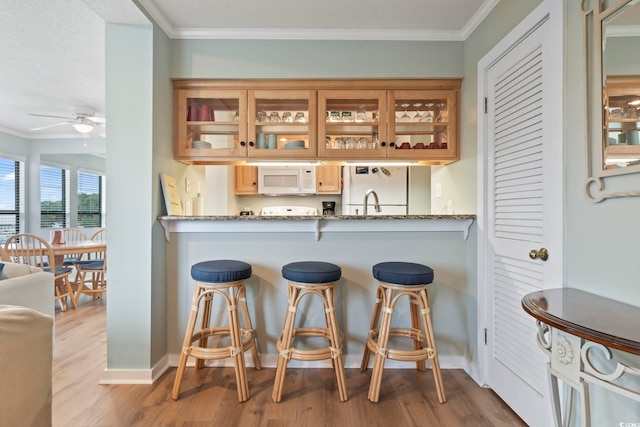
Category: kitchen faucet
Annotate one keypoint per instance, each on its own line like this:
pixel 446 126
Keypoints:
pixel 375 197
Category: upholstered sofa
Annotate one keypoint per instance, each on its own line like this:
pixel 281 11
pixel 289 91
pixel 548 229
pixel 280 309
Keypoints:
pixel 26 346
pixel 27 286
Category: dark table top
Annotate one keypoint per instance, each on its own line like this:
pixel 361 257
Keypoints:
pixel 595 318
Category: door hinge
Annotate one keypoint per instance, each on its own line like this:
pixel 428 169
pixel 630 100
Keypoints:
pixel 486 102
pixel 485 331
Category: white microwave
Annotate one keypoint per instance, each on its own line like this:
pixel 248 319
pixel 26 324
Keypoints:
pixel 287 180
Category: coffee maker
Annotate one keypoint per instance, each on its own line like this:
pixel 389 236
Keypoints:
pixel 328 208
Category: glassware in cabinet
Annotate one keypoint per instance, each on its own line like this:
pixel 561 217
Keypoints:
pixel 282 124
pixel 351 124
pixel 210 123
pixel 423 124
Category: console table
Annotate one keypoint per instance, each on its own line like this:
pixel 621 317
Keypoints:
pixel 571 325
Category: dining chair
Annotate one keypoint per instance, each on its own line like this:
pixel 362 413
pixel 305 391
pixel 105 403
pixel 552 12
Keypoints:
pixel 91 272
pixel 26 248
pixel 72 235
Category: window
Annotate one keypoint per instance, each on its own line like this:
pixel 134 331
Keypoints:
pixel 89 200
pixel 54 188
pixel 11 197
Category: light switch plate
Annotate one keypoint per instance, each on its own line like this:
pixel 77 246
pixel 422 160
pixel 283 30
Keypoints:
pixel 437 190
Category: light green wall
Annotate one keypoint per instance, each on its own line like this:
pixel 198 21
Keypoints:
pixel 130 200
pixel 315 59
pixel 601 239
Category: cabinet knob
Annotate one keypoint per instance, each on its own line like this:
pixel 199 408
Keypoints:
pixel 392 144
pixel 383 144
pixel 250 143
pixel 243 143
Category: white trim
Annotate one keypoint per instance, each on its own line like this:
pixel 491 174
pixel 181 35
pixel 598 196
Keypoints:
pixel 316 34
pixel 478 17
pixel 548 8
pixel 135 376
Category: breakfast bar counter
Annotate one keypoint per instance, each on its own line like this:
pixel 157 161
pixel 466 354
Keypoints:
pixel 316 224
pixel 446 243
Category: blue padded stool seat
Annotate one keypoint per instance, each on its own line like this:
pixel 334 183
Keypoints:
pixel 311 272
pixel 220 271
pixel 403 273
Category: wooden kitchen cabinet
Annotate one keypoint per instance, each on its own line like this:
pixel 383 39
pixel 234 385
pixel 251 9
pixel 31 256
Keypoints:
pixel 246 180
pixel 209 123
pixel 423 125
pixel 621 121
pixel 280 125
pixel 328 179
pixel 235 121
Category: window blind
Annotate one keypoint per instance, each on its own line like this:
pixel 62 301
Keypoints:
pixel 54 197
pixel 11 197
pixel 89 200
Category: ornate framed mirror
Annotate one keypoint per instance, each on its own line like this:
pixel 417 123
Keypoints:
pixel 612 36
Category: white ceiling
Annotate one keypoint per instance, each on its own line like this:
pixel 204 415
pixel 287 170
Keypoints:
pixel 53 51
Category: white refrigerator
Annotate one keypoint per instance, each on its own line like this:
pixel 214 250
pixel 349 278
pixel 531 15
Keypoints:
pixel 389 183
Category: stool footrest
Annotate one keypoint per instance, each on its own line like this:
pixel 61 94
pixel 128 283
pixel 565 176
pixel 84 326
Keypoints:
pixel 311 354
pixel 426 353
pixel 206 353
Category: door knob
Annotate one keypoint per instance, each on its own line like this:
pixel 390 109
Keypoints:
pixel 542 254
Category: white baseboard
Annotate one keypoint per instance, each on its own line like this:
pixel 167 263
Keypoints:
pixel 149 376
pixel 135 376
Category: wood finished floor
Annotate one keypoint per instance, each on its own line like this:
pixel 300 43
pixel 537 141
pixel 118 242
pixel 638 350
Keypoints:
pixel 209 398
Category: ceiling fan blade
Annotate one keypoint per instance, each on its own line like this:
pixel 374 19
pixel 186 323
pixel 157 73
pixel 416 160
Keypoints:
pixel 49 115
pixel 50 126
pixel 100 120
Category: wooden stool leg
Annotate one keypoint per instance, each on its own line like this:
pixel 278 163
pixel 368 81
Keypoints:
pixel 381 352
pixel 249 326
pixel 373 326
pixel 236 348
pixel 336 346
pixel 205 323
pixel 285 344
pixel 431 342
pixel 415 325
pixel 186 343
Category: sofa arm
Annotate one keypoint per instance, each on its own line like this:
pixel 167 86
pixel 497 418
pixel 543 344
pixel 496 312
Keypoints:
pixel 34 291
pixel 26 360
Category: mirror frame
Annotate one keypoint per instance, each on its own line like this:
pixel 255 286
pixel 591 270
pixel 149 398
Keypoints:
pixel 595 13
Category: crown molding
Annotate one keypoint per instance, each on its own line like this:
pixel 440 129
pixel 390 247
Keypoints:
pixel 478 17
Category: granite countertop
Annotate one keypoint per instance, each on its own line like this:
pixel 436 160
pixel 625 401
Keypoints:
pixel 312 217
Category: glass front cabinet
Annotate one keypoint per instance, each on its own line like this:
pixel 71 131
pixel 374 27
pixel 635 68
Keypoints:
pixel 210 124
pixel 236 121
pixel 282 124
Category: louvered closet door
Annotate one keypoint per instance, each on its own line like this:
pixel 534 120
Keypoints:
pixel 523 140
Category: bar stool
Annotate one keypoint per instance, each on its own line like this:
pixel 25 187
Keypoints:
pixel 306 278
pixel 224 278
pixel 398 279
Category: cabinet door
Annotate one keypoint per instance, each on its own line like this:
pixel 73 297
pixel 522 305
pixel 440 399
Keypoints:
pixel 210 124
pixel 246 180
pixel 329 179
pixel 352 124
pixel 622 122
pixel 282 124
pixel 423 124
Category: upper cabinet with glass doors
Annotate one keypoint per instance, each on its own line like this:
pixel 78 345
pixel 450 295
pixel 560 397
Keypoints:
pixel 235 121
pixel 350 124
pixel 282 124
pixel 210 124
pixel 423 125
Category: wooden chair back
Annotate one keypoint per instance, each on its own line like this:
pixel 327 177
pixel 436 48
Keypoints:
pixel 101 234
pixel 26 248
pixel 73 234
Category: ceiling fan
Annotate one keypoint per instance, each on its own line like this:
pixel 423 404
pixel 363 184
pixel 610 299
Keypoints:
pixel 82 119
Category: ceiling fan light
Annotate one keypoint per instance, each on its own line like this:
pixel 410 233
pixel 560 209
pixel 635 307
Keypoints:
pixel 83 127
